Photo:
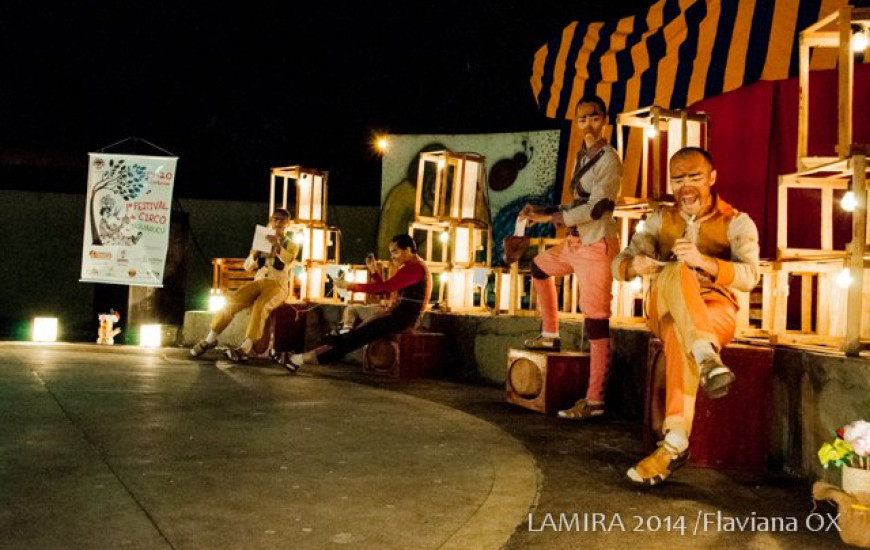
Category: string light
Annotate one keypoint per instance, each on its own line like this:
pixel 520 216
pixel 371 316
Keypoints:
pixel 844 278
pixel 860 39
pixel 849 202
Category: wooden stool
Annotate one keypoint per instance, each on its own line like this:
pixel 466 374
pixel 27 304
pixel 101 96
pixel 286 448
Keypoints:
pixel 728 433
pixel 284 333
pixel 406 355
pixel 546 381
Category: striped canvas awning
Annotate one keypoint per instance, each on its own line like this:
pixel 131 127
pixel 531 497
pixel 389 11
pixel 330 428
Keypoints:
pixel 676 53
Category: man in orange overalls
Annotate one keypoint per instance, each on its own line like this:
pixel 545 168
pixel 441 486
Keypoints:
pixel 697 250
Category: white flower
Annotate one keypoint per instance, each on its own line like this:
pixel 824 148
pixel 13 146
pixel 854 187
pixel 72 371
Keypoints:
pixel 857 434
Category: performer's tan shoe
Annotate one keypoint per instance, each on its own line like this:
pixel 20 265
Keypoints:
pixel 583 410
pixel 658 466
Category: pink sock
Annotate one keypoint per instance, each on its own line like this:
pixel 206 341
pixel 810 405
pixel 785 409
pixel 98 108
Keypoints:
pixel 599 363
pixel 546 291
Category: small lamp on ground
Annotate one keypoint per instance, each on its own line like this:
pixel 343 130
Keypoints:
pixel 44 329
pixel 149 336
pixel 216 300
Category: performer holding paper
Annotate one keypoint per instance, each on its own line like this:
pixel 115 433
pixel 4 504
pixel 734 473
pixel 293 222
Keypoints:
pixel 410 285
pixel 272 254
pixel 588 249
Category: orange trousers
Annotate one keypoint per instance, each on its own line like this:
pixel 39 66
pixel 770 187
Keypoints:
pixel 262 295
pixel 681 316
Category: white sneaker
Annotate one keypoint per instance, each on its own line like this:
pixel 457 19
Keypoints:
pixel 201 347
pixel 296 361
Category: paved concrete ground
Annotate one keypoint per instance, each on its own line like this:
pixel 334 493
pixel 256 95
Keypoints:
pixel 126 448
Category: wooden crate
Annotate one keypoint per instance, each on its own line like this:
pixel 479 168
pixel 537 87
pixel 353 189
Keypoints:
pixel 728 433
pixel 546 382
pixel 406 355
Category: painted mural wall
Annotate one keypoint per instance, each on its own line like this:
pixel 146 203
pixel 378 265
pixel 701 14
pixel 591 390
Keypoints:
pixel 520 168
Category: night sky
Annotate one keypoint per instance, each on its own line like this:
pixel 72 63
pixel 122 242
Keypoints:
pixel 238 89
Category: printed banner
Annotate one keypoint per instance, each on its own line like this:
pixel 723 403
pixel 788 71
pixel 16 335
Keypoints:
pixel 127 219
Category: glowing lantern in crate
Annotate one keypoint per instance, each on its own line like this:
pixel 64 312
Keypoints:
pixel 453 182
pixel 655 127
pixel 310 187
pixel 316 242
pixel 451 224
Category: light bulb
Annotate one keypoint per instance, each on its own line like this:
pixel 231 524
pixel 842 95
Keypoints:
pixel 844 278
pixel 849 202
pixel 651 132
pixel 640 226
pixel 445 236
pixel 298 238
pixel 637 284
pixel 859 41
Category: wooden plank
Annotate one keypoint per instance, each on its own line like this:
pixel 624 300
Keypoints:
pixel 657 150
pixel 803 101
pixel 780 303
pixel 865 308
pixel 823 40
pixel 808 253
pixel 513 294
pixel 846 71
pixel 826 184
pixel 823 301
pixel 852 344
pixel 575 294
pixel 822 164
pixel 644 167
pixel 743 310
pixel 826 225
pixel 782 217
pixel 807 303
pixel 767 296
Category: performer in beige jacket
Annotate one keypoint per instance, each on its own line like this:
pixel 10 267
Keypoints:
pixel 269 289
pixel 698 250
pixel 589 247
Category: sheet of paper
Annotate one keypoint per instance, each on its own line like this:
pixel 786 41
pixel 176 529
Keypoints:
pixel 260 243
pixel 520 227
pixel 479 276
pixel 334 272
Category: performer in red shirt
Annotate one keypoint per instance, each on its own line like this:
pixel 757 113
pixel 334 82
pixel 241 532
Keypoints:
pixel 411 286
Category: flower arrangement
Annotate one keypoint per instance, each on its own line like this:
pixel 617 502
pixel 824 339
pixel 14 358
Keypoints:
pixel 850 447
